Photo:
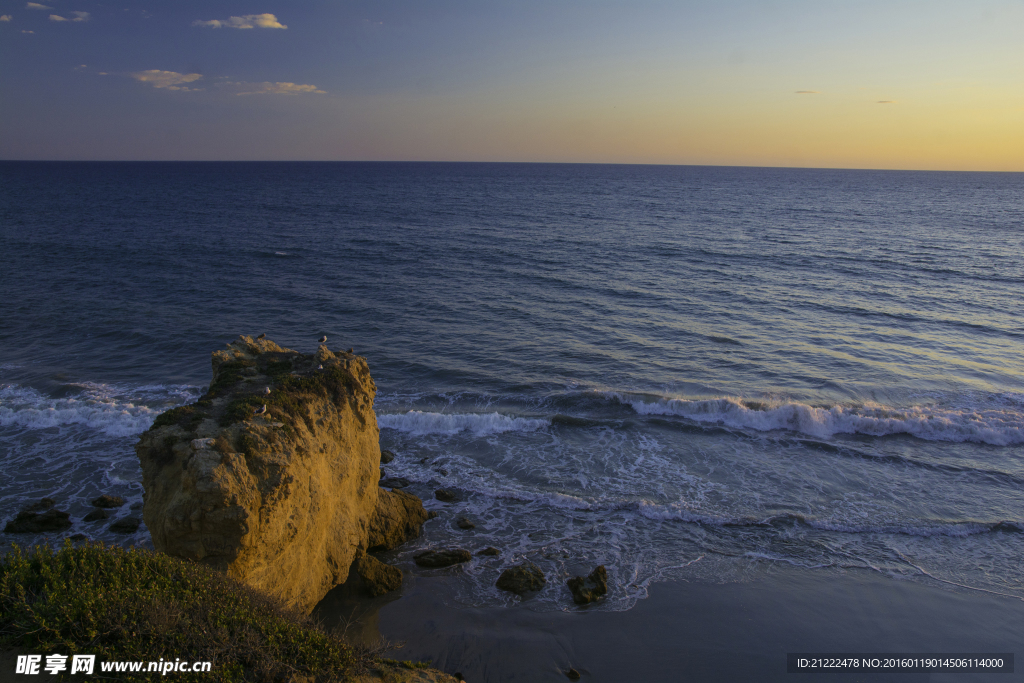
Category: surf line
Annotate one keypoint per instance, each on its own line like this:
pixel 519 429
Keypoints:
pixel 954 583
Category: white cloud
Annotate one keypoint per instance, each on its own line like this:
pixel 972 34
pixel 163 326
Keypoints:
pixel 36 5
pixel 171 80
pixel 79 16
pixel 267 88
pixel 5 17
pixel 246 21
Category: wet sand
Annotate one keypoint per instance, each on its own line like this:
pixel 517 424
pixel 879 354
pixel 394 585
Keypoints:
pixel 691 630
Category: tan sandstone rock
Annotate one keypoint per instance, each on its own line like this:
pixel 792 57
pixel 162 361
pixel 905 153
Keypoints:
pixel 282 498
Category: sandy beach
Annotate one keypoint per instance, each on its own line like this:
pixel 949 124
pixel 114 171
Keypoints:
pixel 692 630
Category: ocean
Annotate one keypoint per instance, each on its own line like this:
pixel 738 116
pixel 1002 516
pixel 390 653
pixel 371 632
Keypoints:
pixel 681 373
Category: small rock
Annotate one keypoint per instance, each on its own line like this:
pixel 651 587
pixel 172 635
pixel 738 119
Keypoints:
pixel 445 557
pixel 464 523
pixel 136 506
pixel 572 675
pixel 383 474
pixel 523 578
pixel 106 501
pixel 424 461
pixel 42 506
pixel 98 513
pixel 127 525
pixel 432 514
pixel 589 589
pixel 79 537
pixel 378 578
pixel 386 456
pixel 443 472
pixel 458 676
pixel 395 482
pixel 445 495
pixel 33 523
pixel 490 550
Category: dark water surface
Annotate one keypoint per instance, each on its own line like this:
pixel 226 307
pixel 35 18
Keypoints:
pixel 678 372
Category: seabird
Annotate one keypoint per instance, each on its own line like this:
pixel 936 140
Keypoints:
pixel 262 336
pixel 262 410
pixel 351 351
pixel 322 339
pixel 267 390
pixel 320 367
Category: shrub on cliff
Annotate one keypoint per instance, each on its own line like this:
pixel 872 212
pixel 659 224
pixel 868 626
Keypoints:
pixel 137 605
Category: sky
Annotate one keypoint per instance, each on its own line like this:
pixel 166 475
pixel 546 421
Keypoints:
pixel 897 84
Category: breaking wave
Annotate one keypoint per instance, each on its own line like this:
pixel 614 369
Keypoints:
pixel 479 424
pixel 998 427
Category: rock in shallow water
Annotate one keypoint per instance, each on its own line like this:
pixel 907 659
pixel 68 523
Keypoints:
pixel 445 557
pixel 108 501
pixel 464 523
pixel 522 578
pixel 96 515
pixel 42 506
pixel 377 578
pixel 386 456
pixel 127 525
pixel 36 523
pixel 585 590
pixel 395 482
pixel 446 495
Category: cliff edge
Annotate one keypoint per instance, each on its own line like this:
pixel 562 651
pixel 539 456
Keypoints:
pixel 272 475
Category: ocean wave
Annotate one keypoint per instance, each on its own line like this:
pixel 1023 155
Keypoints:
pixel 110 410
pixel 479 424
pixel 952 528
pixel 998 427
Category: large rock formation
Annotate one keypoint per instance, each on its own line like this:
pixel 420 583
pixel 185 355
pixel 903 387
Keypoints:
pixel 280 497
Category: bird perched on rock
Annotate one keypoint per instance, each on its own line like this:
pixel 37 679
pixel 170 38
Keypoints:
pixel 262 410
pixel 322 339
pixel 267 390
pixel 351 351
pixel 262 336
pixel 319 367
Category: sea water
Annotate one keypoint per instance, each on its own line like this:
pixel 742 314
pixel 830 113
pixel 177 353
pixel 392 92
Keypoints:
pixel 676 372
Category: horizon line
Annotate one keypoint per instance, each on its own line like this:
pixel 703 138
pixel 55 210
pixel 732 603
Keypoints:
pixel 534 163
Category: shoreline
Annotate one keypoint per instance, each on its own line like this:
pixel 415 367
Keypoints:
pixel 693 630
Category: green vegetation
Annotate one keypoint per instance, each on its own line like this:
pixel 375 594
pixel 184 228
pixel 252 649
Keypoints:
pixel 228 375
pixel 137 605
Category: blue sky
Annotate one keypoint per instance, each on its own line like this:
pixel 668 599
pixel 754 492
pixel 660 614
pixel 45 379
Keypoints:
pixel 871 84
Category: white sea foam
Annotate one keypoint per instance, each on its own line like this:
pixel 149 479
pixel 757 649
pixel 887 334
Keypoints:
pixel 999 427
pixel 479 424
pixel 101 407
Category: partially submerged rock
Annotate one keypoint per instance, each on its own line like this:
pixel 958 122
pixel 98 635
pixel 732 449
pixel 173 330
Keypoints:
pixel 386 456
pixel 489 550
pixel 38 522
pixel 522 578
pixel 464 523
pixel 95 515
pixel 443 557
pixel 589 589
pixel 395 482
pixel 377 578
pixel 446 495
pixel 398 518
pixel 42 506
pixel 108 501
pixel 280 499
pixel 126 525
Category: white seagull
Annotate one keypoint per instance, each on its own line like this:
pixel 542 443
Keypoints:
pixel 322 339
